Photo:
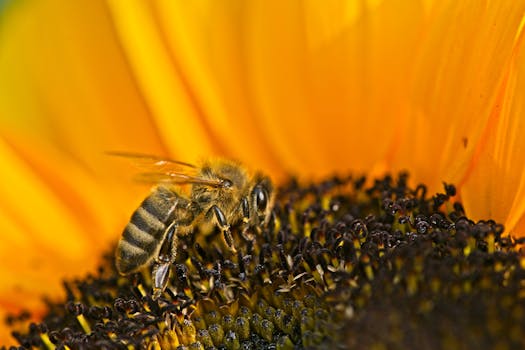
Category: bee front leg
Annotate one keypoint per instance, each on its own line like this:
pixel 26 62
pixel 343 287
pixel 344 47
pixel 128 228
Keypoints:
pixel 245 208
pixel 161 268
pixel 224 226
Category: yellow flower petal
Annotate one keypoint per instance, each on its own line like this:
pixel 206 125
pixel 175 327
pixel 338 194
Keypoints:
pixel 196 32
pixel 454 91
pixel 161 80
pixel 66 81
pixel 264 87
pixel 495 187
pixel 313 93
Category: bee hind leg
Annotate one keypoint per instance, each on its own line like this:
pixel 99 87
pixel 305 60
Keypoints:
pixel 161 268
pixel 224 226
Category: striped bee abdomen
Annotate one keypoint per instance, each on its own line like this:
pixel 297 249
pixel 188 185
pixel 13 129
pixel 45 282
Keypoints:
pixel 145 231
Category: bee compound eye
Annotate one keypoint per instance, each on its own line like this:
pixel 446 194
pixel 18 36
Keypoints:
pixel 261 199
pixel 227 183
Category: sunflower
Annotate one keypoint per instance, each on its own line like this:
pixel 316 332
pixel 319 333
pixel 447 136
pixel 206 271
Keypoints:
pixel 292 88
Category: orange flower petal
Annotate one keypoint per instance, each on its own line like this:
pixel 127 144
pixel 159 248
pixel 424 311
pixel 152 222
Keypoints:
pixel 274 95
pixel 66 81
pixel 495 186
pixel 161 80
pixel 464 56
pixel 308 91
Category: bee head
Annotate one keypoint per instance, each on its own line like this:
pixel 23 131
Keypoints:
pixel 232 181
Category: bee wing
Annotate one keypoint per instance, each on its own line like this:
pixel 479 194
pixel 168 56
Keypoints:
pixel 164 170
pixel 176 178
pixel 151 162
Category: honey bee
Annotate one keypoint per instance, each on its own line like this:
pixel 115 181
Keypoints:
pixel 222 194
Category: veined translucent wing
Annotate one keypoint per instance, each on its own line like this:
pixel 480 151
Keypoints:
pixel 152 162
pixel 177 178
pixel 157 170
